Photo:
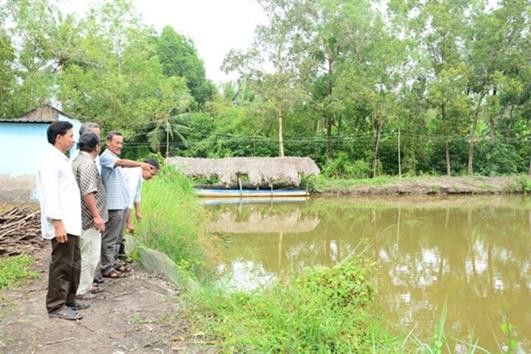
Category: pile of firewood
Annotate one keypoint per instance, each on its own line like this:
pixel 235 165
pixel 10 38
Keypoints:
pixel 20 231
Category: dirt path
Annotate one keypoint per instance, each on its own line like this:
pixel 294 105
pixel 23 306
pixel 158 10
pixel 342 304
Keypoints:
pixel 137 314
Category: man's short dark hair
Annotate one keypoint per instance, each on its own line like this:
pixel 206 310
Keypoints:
pixel 59 127
pixel 88 142
pixel 87 127
pixel 153 162
pixel 112 135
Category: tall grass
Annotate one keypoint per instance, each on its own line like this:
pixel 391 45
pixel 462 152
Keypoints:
pixel 173 220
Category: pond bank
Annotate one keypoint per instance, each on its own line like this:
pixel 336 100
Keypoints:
pixel 421 185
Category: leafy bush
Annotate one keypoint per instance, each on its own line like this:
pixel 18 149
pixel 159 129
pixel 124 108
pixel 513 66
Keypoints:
pixel 493 159
pixel 520 184
pixel 343 167
pixel 343 285
pixel 322 310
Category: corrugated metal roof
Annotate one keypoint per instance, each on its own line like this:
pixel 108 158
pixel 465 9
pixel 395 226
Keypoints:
pixel 45 113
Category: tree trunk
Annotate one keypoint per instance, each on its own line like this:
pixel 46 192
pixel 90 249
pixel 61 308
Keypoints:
pixel 329 119
pixel 470 169
pixel 378 125
pixel 399 159
pixel 446 147
pixel 167 144
pixel 492 124
pixel 329 138
pixel 447 153
pixel 280 137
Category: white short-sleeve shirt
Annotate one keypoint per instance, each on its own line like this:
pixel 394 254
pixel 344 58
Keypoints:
pixel 134 179
pixel 58 193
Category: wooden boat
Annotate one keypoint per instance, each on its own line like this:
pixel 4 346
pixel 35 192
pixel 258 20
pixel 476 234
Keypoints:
pixel 248 193
pixel 252 200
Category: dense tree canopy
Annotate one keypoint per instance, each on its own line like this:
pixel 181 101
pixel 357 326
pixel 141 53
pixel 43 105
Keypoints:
pixel 363 87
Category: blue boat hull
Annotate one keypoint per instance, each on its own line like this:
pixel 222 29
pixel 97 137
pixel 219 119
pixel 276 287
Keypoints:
pixel 236 193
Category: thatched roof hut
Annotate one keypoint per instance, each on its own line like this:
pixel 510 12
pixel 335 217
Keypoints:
pixel 261 171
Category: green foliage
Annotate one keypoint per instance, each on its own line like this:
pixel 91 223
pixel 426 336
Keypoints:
pixel 323 310
pixel 510 345
pixel 342 167
pixel 179 57
pixel 520 184
pixel 326 79
pixel 14 270
pixel 498 159
pixel 172 219
pixel 439 340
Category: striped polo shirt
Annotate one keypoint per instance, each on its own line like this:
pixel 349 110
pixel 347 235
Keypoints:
pixel 114 181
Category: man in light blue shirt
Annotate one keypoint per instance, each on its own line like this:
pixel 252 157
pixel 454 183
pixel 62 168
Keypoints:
pixel 117 202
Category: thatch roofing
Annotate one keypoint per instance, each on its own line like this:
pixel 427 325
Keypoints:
pixel 228 222
pixel 45 113
pixel 261 171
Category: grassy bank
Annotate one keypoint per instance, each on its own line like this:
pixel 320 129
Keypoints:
pixel 15 270
pixel 389 185
pixel 173 221
pixel 321 310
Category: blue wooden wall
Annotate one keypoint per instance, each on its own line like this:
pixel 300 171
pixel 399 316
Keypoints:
pixel 22 146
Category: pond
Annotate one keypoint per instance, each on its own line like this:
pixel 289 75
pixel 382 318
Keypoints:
pixel 470 254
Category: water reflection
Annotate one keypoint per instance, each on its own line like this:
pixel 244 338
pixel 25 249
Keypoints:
pixel 472 253
pixel 229 221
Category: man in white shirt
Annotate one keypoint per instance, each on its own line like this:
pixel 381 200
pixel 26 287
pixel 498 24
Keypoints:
pixel 60 204
pixel 135 178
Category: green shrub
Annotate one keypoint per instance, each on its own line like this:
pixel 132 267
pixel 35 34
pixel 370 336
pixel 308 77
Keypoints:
pixel 322 310
pixel 520 184
pixel 495 158
pixel 343 167
pixel 343 285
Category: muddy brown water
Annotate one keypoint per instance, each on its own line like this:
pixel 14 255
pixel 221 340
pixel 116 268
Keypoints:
pixel 470 253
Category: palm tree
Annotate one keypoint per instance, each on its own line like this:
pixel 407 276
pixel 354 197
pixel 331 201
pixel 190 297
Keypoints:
pixel 166 127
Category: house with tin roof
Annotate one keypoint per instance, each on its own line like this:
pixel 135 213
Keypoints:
pixel 23 139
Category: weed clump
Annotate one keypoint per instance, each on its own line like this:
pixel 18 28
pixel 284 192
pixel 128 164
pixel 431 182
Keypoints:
pixel 321 310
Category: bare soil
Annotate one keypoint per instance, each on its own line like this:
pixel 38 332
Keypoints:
pixel 141 313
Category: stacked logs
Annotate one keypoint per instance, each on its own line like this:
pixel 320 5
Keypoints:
pixel 20 231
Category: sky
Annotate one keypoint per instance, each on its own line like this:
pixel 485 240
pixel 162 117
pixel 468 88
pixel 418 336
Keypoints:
pixel 215 26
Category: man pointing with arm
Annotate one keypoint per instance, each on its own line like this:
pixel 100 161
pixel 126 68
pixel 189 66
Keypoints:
pixel 117 201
